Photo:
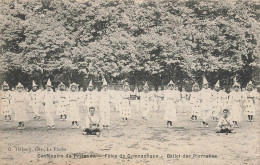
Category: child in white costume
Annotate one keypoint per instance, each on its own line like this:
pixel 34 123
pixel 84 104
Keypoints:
pixel 81 99
pixel 105 108
pixel 217 101
pixel 91 97
pixel 195 101
pixel 5 102
pixel 49 107
pixel 172 97
pixel 250 95
pixel 62 101
pixel 159 96
pixel 20 105
pixel 236 99
pixel 145 106
pixel 206 102
pixel 133 99
pixel 185 98
pixel 36 101
pixel 73 113
pixel 125 109
pixel 153 99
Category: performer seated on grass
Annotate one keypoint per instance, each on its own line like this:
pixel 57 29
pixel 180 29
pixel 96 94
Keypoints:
pixel 92 123
pixel 225 124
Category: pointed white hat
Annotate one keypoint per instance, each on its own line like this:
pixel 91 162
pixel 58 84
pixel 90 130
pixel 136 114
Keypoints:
pixel 61 84
pixel 19 85
pixel 146 84
pixel 104 82
pixel 195 84
pixel 5 84
pixel 217 84
pixel 205 80
pixel 235 82
pixel 34 84
pixel 49 83
pixel 171 83
pixel 90 84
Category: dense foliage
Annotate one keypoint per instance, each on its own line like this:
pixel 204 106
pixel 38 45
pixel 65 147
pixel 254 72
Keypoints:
pixel 151 41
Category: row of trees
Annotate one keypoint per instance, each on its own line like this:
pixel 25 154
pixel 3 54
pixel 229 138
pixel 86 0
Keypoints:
pixel 153 41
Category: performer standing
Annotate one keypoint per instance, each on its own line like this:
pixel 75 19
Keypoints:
pixel 5 102
pixel 172 97
pixel 185 97
pixel 153 99
pixel 134 99
pixel 206 102
pixel 81 100
pixel 20 105
pixel 145 105
pixel 195 101
pixel 217 102
pixel 159 95
pixel 62 101
pixel 105 101
pixel 125 109
pixel 36 100
pixel 250 96
pixel 41 92
pixel 49 107
pixel 73 113
pixel 91 97
pixel 236 99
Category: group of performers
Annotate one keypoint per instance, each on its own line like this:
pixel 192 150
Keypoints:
pixel 208 104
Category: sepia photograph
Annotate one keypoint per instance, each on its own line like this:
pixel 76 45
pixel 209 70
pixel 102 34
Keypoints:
pixel 132 82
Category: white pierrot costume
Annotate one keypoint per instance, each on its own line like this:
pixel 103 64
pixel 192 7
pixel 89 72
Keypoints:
pixel 82 100
pixel 36 100
pixel 250 99
pixel 235 100
pixel 125 109
pixel 195 101
pixel 91 98
pixel 145 105
pixel 62 99
pixel 217 101
pixel 116 99
pixel 5 101
pixel 206 101
pixel 159 95
pixel 153 100
pixel 105 108
pixel 172 97
pixel 20 105
pixel 73 113
pixel 49 107
pixel 184 103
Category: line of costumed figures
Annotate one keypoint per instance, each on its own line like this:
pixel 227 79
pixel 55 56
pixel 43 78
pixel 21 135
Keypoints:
pixel 67 102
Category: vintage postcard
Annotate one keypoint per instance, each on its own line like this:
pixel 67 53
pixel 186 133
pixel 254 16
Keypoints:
pixel 135 82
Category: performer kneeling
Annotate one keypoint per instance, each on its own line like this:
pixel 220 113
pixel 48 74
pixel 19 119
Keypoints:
pixel 92 123
pixel 225 124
